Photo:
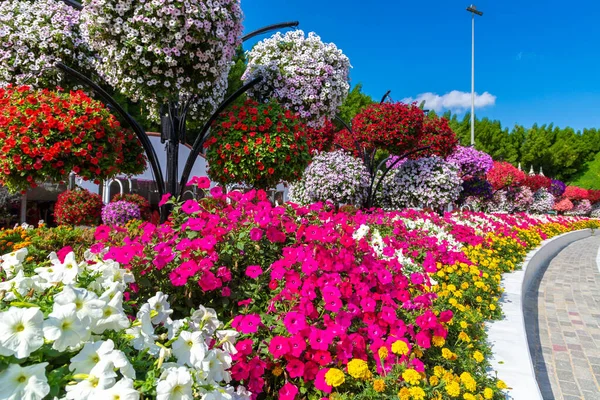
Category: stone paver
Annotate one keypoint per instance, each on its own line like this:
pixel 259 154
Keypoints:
pixel 562 318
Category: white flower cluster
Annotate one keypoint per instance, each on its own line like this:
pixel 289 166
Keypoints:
pixel 336 176
pixel 34 35
pixel 304 74
pixel 428 182
pixel 165 50
pixel 543 202
pixel 433 230
pixel 73 311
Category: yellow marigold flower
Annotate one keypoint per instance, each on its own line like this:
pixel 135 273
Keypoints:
pixel 334 377
pixel 404 394
pixel 448 354
pixel 417 393
pixel 453 301
pixel 453 389
pixel 463 324
pixel 478 356
pixel 434 380
pixel 400 347
pixel 501 384
pixel 358 369
pixel 379 385
pixel 464 337
pixel 411 376
pixel 468 381
pixel 488 394
pixel 277 371
pixel 449 377
pixel 383 352
pixel 492 307
pixel 438 341
pixel 469 396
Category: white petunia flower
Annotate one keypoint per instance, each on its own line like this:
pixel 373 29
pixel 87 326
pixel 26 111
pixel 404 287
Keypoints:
pixel 122 390
pixel 65 328
pixel 173 327
pixel 159 303
pixel 190 348
pixel 113 318
pixel 90 356
pixel 175 384
pixel 29 382
pixel 89 386
pixel 226 339
pixel 143 332
pixel 206 320
pixel 12 263
pixel 86 303
pixel 21 331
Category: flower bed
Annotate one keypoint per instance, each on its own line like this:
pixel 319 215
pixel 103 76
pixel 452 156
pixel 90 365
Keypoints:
pixel 361 305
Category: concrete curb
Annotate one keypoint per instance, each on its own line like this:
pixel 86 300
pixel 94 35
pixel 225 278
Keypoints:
pixel 511 358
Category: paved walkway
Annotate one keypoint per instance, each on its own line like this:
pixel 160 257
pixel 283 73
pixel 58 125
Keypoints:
pixel 562 317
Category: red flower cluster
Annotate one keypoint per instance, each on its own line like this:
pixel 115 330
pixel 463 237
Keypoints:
pixel 321 139
pixel 575 193
pixel 78 207
pixel 503 175
pixel 258 144
pixel 536 182
pixel 45 135
pixel 398 128
pixel 593 196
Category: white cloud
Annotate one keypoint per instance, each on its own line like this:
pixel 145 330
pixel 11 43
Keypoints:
pixel 455 100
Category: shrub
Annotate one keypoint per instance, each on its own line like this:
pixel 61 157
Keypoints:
pixel 428 182
pixel 135 198
pixel 543 202
pixel 78 207
pixel 504 175
pixel 119 213
pixel 470 161
pixel 575 193
pixel 257 144
pixel 337 176
pixel 537 182
pixel 56 133
pixel 305 75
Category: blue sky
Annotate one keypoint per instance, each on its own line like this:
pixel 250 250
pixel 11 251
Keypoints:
pixel 540 59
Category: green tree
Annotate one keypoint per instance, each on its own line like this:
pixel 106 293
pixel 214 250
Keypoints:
pixel 354 103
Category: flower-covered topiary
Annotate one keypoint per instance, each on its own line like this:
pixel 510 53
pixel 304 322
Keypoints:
pixel 504 175
pixel 321 139
pixel 335 176
pixel 575 193
pixel 304 74
pixel 537 182
pixel 522 198
pixel 543 202
pixel 428 182
pixel 45 135
pixel 438 138
pixel 120 212
pixel 580 208
pixel 159 50
pixel 258 144
pixel 78 207
pixel 563 205
pixel 476 187
pixel 595 212
pixel 471 161
pixel 557 188
pixel 142 203
pixel 34 35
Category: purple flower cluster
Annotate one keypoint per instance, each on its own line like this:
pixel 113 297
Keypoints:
pixel 471 161
pixel 34 35
pixel 557 188
pixel 120 212
pixel 304 74
pixel 477 187
pixel 164 49
pixel 582 208
pixel 336 176
pixel 522 198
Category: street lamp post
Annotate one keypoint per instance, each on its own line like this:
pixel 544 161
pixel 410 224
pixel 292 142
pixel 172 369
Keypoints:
pixel 474 11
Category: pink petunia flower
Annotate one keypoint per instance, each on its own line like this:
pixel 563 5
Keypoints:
pixel 288 392
pixel 295 368
pixel 164 199
pixel 320 381
pixel 254 271
pixel 256 234
pixel 294 322
pixel 246 323
pixel 279 346
pixel 190 207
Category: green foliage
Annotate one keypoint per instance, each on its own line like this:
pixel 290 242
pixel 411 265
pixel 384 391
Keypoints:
pixel 590 178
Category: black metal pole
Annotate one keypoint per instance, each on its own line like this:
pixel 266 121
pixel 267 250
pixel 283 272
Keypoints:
pixel 75 4
pixel 273 27
pixel 205 132
pixel 139 131
pixel 385 96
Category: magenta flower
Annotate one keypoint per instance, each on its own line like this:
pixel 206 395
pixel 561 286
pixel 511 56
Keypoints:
pixel 297 345
pixel 164 199
pixel 254 271
pixel 295 368
pixel 294 322
pixel 279 346
pixel 201 181
pixel 190 207
pixel 288 392
pixel 256 234
pixel 320 381
pixel 246 323
pixel 320 339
